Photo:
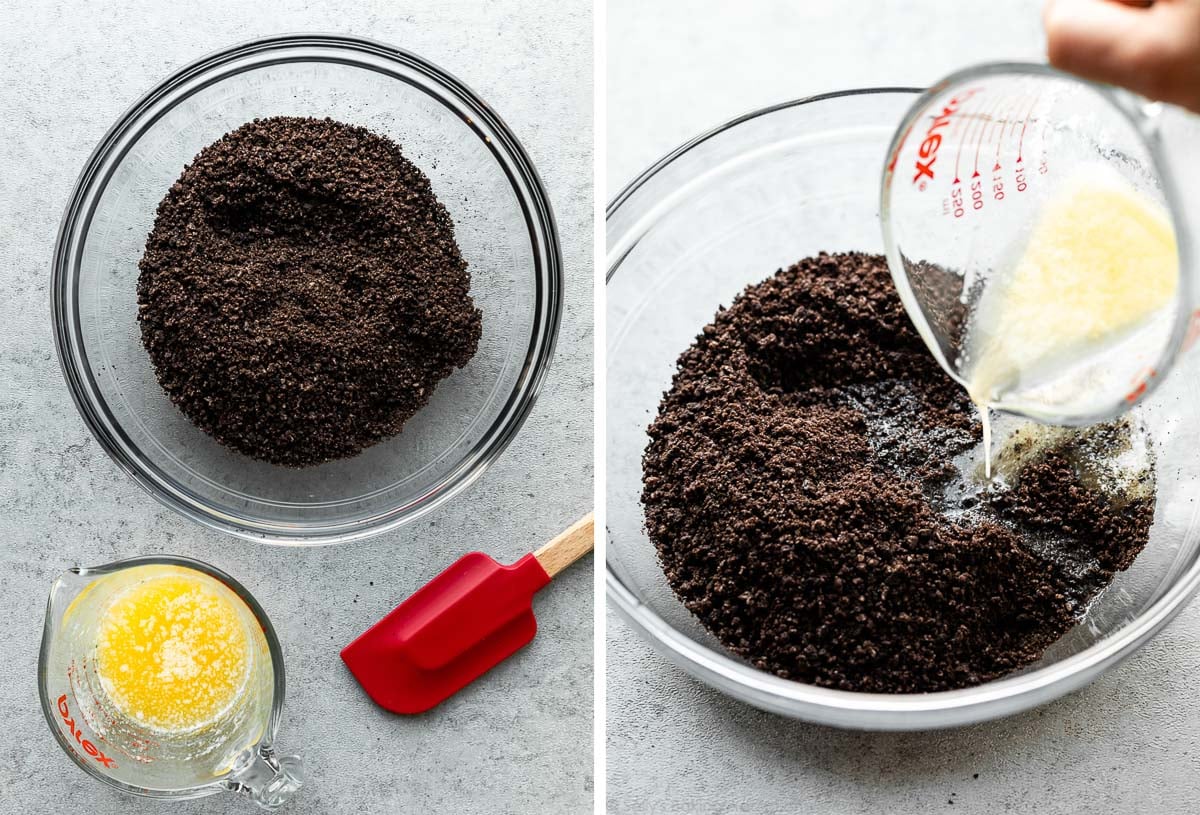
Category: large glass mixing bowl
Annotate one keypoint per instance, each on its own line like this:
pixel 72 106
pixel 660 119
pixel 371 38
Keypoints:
pixel 503 224
pixel 728 209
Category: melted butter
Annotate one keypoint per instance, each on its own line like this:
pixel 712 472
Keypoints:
pixel 173 652
pixel 1101 262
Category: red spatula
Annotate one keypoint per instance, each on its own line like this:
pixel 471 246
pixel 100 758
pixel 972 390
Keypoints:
pixel 459 625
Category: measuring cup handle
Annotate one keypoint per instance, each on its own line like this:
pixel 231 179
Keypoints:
pixel 269 780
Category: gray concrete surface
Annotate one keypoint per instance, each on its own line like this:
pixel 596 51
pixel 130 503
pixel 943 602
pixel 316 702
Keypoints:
pixel 1126 744
pixel 519 742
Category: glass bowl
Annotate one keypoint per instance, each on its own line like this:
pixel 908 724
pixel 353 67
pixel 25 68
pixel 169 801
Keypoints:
pixel 503 224
pixel 728 209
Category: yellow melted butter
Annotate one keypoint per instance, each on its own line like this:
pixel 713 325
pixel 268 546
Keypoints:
pixel 1100 261
pixel 173 652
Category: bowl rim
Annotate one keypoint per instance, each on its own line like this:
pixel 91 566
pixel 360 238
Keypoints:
pixel 428 77
pixel 872 711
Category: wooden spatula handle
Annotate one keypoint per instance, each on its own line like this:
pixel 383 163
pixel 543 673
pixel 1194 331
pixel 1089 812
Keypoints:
pixel 568 547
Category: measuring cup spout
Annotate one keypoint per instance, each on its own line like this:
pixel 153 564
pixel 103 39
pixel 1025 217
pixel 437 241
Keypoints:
pixel 73 583
pixel 66 587
pixel 268 779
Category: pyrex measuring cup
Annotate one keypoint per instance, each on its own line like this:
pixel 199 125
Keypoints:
pixel 233 752
pixel 972 163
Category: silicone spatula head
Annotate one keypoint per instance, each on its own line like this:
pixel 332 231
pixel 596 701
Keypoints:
pixel 454 629
pixel 459 625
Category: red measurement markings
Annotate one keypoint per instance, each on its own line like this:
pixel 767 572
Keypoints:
pixel 1141 381
pixel 988 116
pixel 1020 179
pixel 962 120
pixel 1025 126
pixel 978 120
pixel 1008 117
pixel 1193 330
pixel 972 119
pixel 960 135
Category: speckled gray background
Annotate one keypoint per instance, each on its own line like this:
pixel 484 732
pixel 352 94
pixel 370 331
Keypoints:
pixel 518 742
pixel 1130 743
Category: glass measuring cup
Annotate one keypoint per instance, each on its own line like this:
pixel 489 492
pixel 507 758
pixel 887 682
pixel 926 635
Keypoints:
pixel 233 752
pixel 972 163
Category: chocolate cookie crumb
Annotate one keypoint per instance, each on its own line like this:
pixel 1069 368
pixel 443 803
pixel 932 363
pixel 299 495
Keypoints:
pixel 301 293
pixel 799 486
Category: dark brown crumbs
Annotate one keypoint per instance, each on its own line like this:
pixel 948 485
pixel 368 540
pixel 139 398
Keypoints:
pixel 301 293
pixel 798 488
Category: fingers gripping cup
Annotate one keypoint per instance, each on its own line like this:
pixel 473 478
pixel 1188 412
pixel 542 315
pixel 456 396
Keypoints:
pixel 163 677
pixel 1033 232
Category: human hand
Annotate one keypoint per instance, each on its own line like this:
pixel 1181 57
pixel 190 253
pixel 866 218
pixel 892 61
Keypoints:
pixel 1151 48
